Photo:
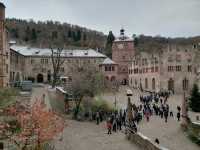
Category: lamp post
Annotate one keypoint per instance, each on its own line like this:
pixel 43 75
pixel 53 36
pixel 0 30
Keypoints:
pixel 129 105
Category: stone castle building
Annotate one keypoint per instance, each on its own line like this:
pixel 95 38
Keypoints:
pixel 4 50
pixel 36 64
pixel 19 63
pixel 174 69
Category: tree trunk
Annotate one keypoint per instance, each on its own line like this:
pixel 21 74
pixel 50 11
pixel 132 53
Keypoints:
pixel 54 80
pixel 77 108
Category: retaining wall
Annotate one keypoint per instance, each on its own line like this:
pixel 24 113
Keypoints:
pixel 144 142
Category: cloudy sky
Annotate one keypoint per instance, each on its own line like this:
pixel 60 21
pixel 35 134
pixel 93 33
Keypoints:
pixel 172 18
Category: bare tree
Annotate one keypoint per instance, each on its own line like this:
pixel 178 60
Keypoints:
pixel 57 62
pixel 86 81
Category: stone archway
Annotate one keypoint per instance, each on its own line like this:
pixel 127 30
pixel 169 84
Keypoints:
pixel 40 78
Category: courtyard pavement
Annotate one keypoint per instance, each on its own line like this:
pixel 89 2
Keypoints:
pixel 169 134
pixel 84 135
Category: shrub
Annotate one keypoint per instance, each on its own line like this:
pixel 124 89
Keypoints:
pixel 194 133
pixel 195 99
pixel 100 104
pixel 7 96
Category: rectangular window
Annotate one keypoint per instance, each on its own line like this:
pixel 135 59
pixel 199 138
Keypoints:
pixel 113 68
pixel 152 69
pixel 6 68
pixel 106 68
pixel 189 68
pixel 110 68
pixel 156 69
pixel 46 61
pixel 178 68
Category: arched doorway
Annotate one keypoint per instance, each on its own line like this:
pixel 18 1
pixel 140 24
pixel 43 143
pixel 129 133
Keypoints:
pixel 112 78
pixel 124 82
pixel 153 84
pixel 171 84
pixel 40 78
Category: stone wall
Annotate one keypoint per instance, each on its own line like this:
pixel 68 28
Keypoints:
pixel 144 142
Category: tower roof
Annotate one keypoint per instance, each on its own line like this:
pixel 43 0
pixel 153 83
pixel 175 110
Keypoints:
pixel 2 5
pixel 123 37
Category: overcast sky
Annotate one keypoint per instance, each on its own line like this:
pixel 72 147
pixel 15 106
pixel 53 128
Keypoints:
pixel 172 18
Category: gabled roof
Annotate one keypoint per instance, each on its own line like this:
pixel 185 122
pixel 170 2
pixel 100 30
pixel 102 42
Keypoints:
pixel 29 51
pixel 108 61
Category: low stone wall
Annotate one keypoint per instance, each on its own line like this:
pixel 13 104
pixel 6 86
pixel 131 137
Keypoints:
pixel 60 93
pixel 60 97
pixel 144 142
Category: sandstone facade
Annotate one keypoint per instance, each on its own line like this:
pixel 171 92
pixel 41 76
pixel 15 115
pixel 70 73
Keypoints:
pixel 4 50
pixel 174 69
pixel 36 64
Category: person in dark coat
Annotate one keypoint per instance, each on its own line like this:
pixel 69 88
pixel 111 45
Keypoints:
pixel 178 115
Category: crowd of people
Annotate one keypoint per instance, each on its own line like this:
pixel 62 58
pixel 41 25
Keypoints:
pixel 114 120
pixel 157 104
pixel 150 104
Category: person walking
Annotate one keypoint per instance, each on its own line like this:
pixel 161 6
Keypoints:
pixel 109 126
pixel 178 115
pixel 166 115
pixel 97 118
pixel 114 125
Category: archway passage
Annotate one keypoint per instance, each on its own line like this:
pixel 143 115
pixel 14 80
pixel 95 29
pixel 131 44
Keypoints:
pixel 40 78
pixel 171 84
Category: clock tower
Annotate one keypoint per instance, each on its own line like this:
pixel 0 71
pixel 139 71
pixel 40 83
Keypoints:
pixel 122 52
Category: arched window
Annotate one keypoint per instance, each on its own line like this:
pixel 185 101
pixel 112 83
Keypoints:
pixel 153 84
pixel 185 84
pixel 171 84
pixel 146 83
pixel 112 78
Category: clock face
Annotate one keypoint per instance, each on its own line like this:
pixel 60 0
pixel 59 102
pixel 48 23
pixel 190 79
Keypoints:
pixel 120 46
